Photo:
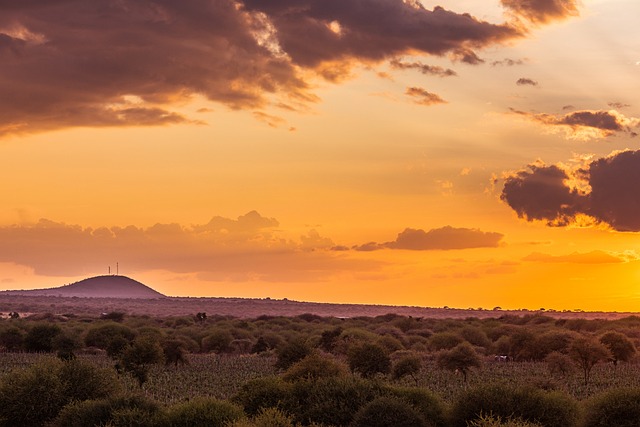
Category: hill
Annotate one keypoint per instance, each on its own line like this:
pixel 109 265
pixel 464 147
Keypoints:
pixel 97 287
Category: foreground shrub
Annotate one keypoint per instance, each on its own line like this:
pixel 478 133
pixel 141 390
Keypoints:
pixel 549 409
pixel 313 367
pixel 388 411
pixel 497 421
pixel 33 396
pixel 203 412
pixel 134 410
pixel 427 403
pixel 262 393
pixel 271 417
pixel 330 401
pixel 620 408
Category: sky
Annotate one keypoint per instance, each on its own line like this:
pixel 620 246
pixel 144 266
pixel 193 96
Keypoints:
pixel 460 153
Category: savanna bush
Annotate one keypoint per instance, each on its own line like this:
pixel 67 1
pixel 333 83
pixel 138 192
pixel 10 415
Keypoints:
pixel 113 411
pixel 34 396
pixel 313 367
pixel 427 403
pixel 203 412
pixel 547 408
pixel 291 353
pixel 40 337
pixel 618 407
pixel 261 393
pixel 388 411
pixel 330 401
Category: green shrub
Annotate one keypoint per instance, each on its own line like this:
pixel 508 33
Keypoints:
pixel 12 339
pixel 35 395
pixel 40 337
pixel 427 403
pixel 291 353
pixel 444 341
pixel 368 360
pixel 619 407
pixel 550 409
pixel 388 411
pixel 407 365
pixel 262 393
pixel 203 412
pixel 112 412
pixel 330 401
pixel 497 421
pixel 110 336
pixel 270 417
pixel 217 341
pixel 314 366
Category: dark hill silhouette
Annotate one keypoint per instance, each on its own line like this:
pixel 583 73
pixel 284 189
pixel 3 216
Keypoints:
pixel 98 287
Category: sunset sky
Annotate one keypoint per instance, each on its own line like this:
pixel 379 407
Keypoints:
pixel 461 153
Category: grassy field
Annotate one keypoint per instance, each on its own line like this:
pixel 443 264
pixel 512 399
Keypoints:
pixel 221 376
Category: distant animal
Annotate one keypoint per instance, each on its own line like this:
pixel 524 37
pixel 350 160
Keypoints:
pixel 501 358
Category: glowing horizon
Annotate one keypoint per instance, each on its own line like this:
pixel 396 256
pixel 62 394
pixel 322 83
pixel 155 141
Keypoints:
pixel 461 154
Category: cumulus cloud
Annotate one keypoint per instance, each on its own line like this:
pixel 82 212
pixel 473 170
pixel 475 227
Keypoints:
pixel 81 63
pixel 586 124
pixel 604 191
pixel 250 247
pixel 541 11
pixel 423 97
pixel 445 238
pixel 523 81
pixel 423 68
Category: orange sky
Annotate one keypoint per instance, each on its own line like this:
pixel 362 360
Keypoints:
pixel 475 154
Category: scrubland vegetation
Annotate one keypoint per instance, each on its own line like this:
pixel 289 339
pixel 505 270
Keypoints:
pixel 391 370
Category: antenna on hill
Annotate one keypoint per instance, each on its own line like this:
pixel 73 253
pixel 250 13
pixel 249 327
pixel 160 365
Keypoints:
pixel 109 270
pixel 117 269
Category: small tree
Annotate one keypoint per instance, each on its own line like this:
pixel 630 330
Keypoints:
pixel 291 353
pixel 12 339
pixel 174 352
pixel 619 345
pixel 137 357
pixel 461 358
pixel 586 353
pixel 368 360
pixel 408 365
pixel 559 363
pixel 40 337
pixel 64 344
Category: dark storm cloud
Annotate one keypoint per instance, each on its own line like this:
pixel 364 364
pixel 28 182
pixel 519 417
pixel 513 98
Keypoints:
pixel 423 68
pixel 523 81
pixel 607 123
pixel 130 63
pixel 445 238
pixel 542 11
pixel 118 63
pixel 316 31
pixel 545 192
pixel 423 97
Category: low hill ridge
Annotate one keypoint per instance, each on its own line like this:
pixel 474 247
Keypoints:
pixel 111 286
